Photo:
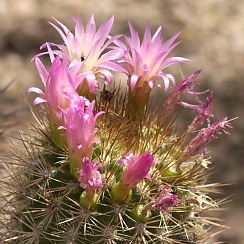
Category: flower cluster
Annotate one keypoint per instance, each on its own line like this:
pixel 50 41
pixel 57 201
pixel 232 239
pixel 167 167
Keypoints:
pixel 116 148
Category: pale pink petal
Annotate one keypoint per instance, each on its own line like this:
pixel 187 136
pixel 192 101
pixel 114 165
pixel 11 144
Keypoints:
pixel 173 60
pixel 106 76
pixel 91 26
pixel 79 27
pixel 39 100
pixel 111 66
pixel 133 80
pixel 42 70
pixel 147 35
pixel 104 29
pixel 36 90
pixel 92 82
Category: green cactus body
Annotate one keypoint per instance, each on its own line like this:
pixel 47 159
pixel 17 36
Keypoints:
pixel 45 202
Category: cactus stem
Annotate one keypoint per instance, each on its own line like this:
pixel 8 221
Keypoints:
pixel 120 193
pixel 89 199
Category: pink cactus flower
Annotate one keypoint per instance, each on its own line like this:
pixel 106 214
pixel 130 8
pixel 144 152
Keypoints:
pixel 204 112
pixel 90 178
pixel 86 48
pixel 145 62
pixel 184 87
pixel 60 82
pixel 166 200
pixel 206 135
pixel 79 126
pixel 137 169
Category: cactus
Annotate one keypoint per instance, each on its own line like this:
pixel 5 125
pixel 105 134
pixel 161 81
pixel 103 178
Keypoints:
pixel 102 165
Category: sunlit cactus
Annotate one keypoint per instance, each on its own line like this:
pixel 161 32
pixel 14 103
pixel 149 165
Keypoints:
pixel 101 165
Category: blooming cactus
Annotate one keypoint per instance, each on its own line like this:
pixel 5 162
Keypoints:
pixel 123 173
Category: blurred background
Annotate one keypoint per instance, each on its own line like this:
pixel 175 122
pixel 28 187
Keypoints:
pixel 212 37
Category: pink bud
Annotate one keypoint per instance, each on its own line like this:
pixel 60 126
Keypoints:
pixel 206 135
pixel 90 178
pixel 137 169
pixel 166 200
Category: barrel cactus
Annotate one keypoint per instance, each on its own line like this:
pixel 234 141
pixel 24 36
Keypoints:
pixel 102 164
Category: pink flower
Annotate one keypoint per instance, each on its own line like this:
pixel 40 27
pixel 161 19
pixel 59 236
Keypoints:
pixel 90 178
pixel 184 87
pixel 60 82
pixel 166 200
pixel 206 135
pixel 86 48
pixel 79 125
pixel 146 61
pixel 204 112
pixel 137 169
pixel 204 109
